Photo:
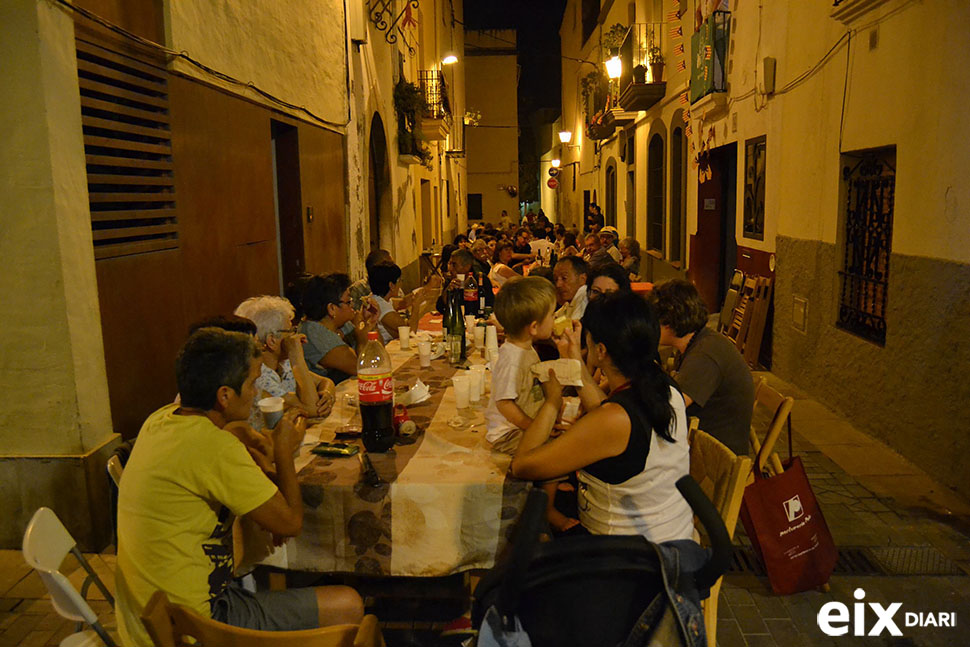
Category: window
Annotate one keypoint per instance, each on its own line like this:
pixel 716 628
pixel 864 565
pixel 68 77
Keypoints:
pixel 591 14
pixel 754 188
pixel 474 206
pixel 869 186
pixel 678 190
pixel 655 194
pixel 610 211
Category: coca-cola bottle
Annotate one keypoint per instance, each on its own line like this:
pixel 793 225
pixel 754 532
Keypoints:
pixel 375 391
pixel 470 294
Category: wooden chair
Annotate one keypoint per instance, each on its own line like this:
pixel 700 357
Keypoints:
pixel 722 475
pixel 779 409
pixel 172 625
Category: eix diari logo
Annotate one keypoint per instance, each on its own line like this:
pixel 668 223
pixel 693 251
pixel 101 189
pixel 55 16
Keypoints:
pixel 834 618
pixel 793 508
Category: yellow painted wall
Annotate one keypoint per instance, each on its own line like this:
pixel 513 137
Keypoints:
pixel 53 389
pixel 493 154
pixel 285 48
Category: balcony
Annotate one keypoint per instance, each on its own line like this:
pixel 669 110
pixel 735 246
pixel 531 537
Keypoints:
pixel 436 118
pixel 709 47
pixel 642 82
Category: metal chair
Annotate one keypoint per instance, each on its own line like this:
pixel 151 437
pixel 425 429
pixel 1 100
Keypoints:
pixel 46 543
pixel 780 407
pixel 722 476
pixel 172 625
pixel 115 469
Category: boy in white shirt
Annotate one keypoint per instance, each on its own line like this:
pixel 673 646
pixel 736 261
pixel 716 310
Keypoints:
pixel 525 309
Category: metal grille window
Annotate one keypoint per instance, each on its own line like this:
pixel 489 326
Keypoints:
pixel 655 194
pixel 435 94
pixel 128 150
pixel 869 180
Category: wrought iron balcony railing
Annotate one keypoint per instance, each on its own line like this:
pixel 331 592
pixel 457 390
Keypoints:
pixel 643 53
pixel 435 92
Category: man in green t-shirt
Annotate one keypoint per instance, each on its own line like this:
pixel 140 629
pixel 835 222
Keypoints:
pixel 185 482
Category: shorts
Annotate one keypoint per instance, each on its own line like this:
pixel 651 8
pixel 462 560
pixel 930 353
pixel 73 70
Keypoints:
pixel 288 610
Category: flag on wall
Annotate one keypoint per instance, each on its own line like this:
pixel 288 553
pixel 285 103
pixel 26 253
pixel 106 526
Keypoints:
pixel 689 131
pixel 681 66
pixel 707 52
pixel 679 49
pixel 673 16
pixel 683 99
pixel 677 32
pixel 686 116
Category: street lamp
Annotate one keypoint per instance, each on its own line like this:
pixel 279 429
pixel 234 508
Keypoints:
pixel 555 163
pixel 449 59
pixel 565 136
pixel 614 67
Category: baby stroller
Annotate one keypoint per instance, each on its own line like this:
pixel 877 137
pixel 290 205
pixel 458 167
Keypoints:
pixel 601 590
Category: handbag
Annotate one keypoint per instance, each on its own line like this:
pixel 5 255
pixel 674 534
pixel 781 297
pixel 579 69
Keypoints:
pixel 785 524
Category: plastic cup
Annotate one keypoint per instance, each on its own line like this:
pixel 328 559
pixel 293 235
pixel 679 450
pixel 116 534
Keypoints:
pixel 424 353
pixel 462 388
pixel 492 356
pixel 272 409
pixel 480 369
pixel 479 334
pixel 404 336
pixel 350 412
pixel 475 386
pixel 470 322
pixel 491 337
pixel 570 409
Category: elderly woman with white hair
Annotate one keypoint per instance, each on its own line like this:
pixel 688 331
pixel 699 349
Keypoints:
pixel 284 371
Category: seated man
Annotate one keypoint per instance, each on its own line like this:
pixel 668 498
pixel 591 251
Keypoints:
pixel 570 276
pixel 461 262
pixel 187 478
pixel 711 373
pixel 284 372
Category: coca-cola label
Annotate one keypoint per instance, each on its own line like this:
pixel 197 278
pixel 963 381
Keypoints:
pixel 375 388
pixel 471 295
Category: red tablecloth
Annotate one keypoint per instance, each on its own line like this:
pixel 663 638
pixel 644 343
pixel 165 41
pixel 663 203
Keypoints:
pixel 641 288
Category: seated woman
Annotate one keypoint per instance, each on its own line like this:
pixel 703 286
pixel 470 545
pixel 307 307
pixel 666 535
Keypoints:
pixel 629 449
pixel 334 330
pixel 606 279
pixel 630 257
pixel 501 272
pixel 383 279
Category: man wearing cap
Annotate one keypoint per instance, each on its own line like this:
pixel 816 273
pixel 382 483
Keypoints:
pixel 608 237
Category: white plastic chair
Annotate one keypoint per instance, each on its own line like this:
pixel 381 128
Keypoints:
pixel 46 543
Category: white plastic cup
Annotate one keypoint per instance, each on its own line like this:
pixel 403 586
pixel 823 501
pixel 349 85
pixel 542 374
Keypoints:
pixel 272 409
pixel 350 411
pixel 479 334
pixel 424 353
pixel 492 356
pixel 404 336
pixel 491 337
pixel 462 390
pixel 470 322
pixel 475 386
pixel 480 369
pixel 570 409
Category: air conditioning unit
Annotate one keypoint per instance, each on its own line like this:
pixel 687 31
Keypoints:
pixel 357 20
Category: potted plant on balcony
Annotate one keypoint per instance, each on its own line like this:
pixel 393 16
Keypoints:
pixel 656 59
pixel 640 73
pixel 613 38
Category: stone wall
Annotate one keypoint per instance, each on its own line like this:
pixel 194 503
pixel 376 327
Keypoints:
pixel 912 393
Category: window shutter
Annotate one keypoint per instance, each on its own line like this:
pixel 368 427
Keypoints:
pixel 128 149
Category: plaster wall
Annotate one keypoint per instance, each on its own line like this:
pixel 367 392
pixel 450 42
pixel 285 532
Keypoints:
pixel 53 389
pixel 286 49
pixel 375 67
pixel 493 145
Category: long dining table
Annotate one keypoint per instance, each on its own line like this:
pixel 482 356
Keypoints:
pixel 445 504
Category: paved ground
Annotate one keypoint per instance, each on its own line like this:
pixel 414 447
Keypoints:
pixel 876 503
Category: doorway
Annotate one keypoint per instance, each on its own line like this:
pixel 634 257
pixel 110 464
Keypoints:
pixel 290 258
pixel 631 204
pixel 427 234
pixel 714 246
pixel 610 211
pixel 379 187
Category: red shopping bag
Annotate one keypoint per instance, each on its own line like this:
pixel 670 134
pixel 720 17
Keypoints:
pixel 786 527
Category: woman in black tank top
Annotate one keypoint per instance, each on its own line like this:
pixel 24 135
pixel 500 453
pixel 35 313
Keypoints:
pixel 612 441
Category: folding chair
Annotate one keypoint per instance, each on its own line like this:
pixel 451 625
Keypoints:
pixel 722 476
pixel 46 543
pixel 172 625
pixel 779 407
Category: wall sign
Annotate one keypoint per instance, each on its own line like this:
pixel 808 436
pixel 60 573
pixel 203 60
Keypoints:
pixel 552 183
pixel 710 204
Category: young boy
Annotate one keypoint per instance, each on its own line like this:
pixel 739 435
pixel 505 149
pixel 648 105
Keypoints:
pixel 525 309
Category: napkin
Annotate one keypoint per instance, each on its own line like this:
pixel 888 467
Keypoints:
pixel 568 371
pixel 415 395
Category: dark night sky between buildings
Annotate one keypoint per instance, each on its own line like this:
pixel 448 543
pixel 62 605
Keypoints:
pixel 537 24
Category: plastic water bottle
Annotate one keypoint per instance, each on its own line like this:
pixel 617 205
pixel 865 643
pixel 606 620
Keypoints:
pixel 375 393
